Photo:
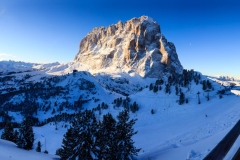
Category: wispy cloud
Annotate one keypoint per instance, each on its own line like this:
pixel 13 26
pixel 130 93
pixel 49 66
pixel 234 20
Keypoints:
pixel 7 56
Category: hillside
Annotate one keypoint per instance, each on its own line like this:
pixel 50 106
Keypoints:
pixel 158 135
pixel 10 151
pixel 181 113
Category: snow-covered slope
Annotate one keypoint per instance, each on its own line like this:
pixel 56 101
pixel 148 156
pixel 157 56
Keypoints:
pixel 225 81
pixel 174 131
pixel 9 151
pixel 182 131
pixel 7 67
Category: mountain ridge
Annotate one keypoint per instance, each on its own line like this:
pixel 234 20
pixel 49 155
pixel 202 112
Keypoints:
pixel 135 46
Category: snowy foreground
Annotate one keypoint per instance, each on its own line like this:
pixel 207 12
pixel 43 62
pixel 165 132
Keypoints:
pixel 9 151
pixel 177 133
pixel 190 132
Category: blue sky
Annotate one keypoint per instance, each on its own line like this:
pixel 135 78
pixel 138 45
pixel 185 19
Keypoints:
pixel 206 33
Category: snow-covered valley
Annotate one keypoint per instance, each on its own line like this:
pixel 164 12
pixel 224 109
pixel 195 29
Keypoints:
pixel 166 130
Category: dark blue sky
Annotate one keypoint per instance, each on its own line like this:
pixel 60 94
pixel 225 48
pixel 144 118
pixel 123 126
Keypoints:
pixel 205 32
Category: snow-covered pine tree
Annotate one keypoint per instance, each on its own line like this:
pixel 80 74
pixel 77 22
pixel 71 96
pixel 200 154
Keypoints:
pixel 26 135
pixel 8 132
pixel 15 136
pixel 106 138
pixel 85 127
pixel 68 144
pixel 125 148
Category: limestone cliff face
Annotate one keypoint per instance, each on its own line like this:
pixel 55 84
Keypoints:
pixel 135 46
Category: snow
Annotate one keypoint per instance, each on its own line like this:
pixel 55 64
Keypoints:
pixel 237 92
pixel 233 150
pixel 147 18
pixel 49 136
pixel 174 131
pixel 179 133
pixel 9 151
pixel 188 131
pixel 14 66
pixel 10 66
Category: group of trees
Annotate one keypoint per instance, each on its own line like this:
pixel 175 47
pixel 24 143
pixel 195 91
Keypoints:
pixel 182 80
pixel 206 84
pixel 30 91
pixel 157 86
pixel 89 139
pixel 24 137
pixel 125 103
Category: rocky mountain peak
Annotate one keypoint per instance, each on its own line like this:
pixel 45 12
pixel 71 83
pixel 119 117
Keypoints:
pixel 134 46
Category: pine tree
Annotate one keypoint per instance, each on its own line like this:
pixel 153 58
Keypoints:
pixel 85 128
pixel 26 135
pixel 185 74
pixel 125 148
pixel 8 132
pixel 209 84
pixel 176 88
pixel 15 136
pixel 186 100
pixel 155 88
pixel 68 144
pixel 204 85
pixel 38 149
pixel 151 87
pixel 198 97
pixel 181 98
pixel 134 107
pixel 167 88
pixel 220 96
pixel 87 139
pixel 106 138
pixel 152 111
pixel 160 88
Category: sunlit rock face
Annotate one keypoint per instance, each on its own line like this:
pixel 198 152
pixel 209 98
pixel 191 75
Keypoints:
pixel 135 46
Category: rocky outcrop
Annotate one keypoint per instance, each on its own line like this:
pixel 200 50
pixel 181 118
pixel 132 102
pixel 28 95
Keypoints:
pixel 135 46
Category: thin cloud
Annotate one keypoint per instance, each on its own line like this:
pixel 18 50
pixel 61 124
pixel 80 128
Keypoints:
pixel 6 56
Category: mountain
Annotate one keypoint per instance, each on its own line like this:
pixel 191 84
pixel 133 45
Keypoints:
pixel 135 46
pixel 181 113
pixel 226 78
pixel 6 67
